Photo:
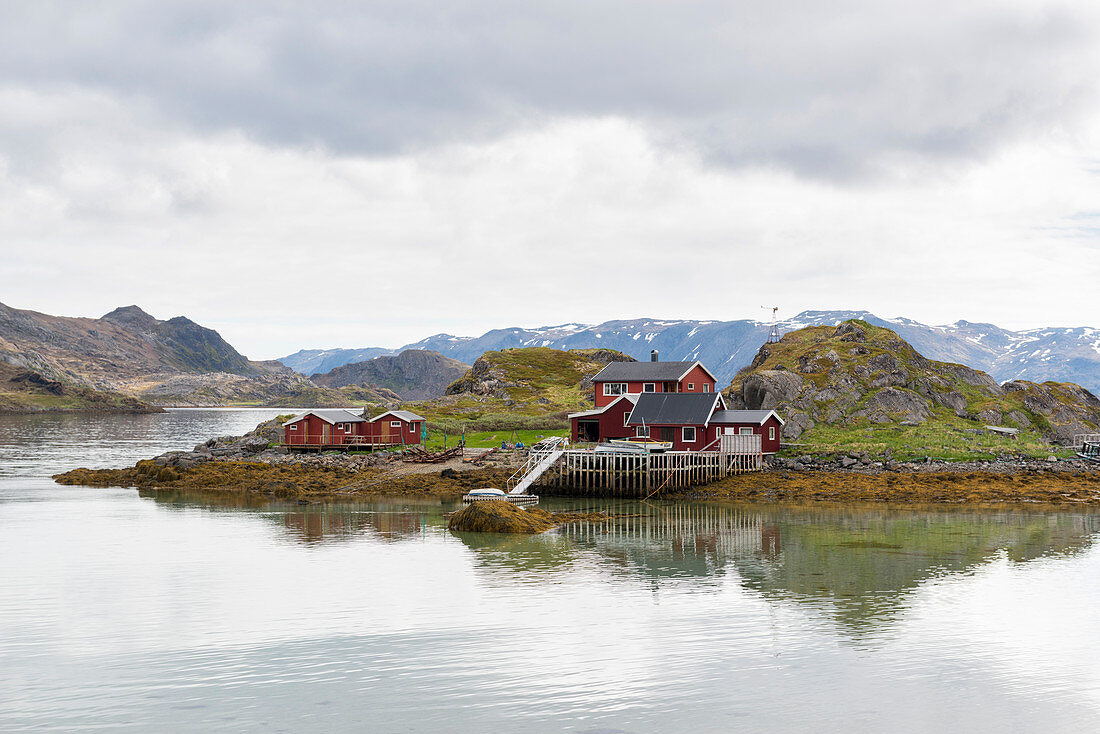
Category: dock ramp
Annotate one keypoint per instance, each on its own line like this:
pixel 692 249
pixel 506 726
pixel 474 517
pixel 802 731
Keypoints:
pixel 543 455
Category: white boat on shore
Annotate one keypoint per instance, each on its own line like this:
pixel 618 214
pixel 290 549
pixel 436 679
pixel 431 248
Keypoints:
pixel 641 447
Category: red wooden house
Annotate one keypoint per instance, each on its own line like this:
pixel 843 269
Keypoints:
pixel 675 402
pixel 342 429
pixel 638 378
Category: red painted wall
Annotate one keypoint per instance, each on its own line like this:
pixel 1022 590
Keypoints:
pixel 697 377
pixel 611 422
pixel 310 431
pixel 408 432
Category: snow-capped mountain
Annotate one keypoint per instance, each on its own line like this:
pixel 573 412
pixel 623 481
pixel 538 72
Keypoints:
pixel 1060 354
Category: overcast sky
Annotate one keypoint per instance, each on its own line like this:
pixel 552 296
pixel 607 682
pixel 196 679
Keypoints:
pixel 354 174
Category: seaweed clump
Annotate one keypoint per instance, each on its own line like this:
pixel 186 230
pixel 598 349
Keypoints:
pixel 499 516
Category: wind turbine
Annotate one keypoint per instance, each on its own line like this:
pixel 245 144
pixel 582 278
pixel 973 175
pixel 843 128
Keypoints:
pixel 773 335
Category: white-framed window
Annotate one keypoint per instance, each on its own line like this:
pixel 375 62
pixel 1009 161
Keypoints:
pixel 706 387
pixel 614 388
pixel 294 427
pixel 649 387
pixel 771 433
pixel 626 419
pixel 642 431
pixel 395 424
pixel 691 387
pixel 689 434
pixel 745 431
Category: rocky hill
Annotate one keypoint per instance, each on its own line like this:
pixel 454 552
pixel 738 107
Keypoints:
pixel 415 374
pixel 24 391
pixel 513 387
pixel 859 375
pixel 176 362
pixel 105 353
pixel 1056 353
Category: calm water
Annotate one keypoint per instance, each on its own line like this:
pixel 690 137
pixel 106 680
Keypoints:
pixel 120 611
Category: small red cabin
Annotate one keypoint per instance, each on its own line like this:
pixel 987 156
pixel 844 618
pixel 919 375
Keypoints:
pixel 765 423
pixel 342 429
pixel 323 428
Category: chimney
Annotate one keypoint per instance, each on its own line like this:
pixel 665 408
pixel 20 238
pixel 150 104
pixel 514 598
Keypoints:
pixel 653 356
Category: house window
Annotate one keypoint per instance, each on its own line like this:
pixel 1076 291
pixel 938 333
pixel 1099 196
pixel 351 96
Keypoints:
pixel 649 387
pixel 771 433
pixel 395 424
pixel 689 434
pixel 626 419
pixel 706 387
pixel 745 431
pixel 642 431
pixel 614 388
pixel 691 387
pixel 294 427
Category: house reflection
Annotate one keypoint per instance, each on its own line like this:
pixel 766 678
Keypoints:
pixel 387 520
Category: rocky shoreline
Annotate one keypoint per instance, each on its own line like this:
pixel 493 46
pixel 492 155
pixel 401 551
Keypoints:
pixel 255 464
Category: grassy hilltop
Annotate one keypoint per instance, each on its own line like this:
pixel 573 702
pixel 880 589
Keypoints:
pixel 862 387
pixel 532 388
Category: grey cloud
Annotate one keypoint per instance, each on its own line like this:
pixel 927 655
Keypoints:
pixel 824 89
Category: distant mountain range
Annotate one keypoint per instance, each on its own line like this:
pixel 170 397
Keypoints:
pixel 1056 353
pixel 415 374
pixel 64 363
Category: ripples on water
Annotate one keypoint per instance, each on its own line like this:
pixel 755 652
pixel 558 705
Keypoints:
pixel 164 612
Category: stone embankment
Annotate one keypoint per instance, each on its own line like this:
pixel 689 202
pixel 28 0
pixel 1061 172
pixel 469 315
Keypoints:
pixel 862 478
pixel 865 463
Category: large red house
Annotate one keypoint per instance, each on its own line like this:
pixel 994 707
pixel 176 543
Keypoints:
pixel 674 402
pixel 654 376
pixel 338 428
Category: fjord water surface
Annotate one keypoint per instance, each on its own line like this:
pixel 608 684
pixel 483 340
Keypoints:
pixel 167 612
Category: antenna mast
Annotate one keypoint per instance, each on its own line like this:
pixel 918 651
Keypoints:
pixel 773 335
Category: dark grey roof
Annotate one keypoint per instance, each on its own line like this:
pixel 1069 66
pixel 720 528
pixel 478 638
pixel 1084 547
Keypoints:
pixel 673 408
pixel 333 415
pixel 643 371
pixel 405 415
pixel 755 417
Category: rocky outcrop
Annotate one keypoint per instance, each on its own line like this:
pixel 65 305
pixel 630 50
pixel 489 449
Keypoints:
pixel 415 374
pixel 859 372
pixel 529 374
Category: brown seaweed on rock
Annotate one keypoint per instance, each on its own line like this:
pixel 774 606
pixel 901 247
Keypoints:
pixel 499 516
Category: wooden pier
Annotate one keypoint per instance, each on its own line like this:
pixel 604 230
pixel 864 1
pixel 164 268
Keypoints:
pixel 587 472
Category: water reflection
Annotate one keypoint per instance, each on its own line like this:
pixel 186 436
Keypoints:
pixel 858 564
pixel 312 524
